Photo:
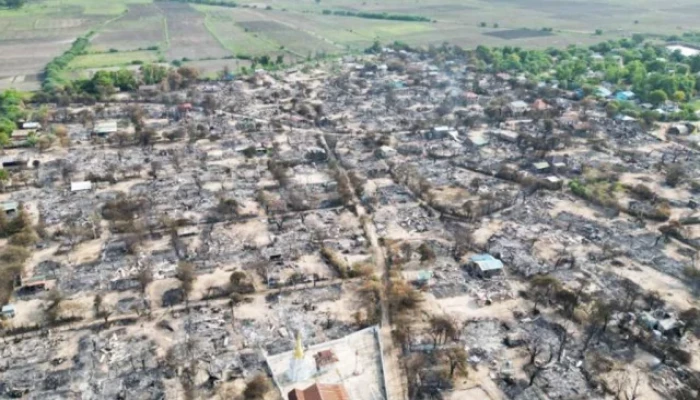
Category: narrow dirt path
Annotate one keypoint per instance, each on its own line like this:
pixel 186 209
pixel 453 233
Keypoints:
pixel 395 382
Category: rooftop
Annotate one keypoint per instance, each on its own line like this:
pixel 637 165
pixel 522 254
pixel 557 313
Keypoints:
pixel 320 392
pixel 79 186
pixel 486 262
pixel 9 205
pixel 358 368
pixel 104 127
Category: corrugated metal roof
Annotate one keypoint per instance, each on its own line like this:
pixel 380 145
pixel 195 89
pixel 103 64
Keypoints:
pixel 31 125
pixel 106 127
pixel 78 186
pixel 9 206
pixel 486 262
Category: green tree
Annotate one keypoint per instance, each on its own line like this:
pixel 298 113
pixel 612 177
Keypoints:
pixel 612 108
pixel 679 96
pixel 657 97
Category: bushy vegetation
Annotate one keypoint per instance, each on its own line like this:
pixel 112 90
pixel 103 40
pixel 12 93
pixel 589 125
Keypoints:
pixel 644 70
pixel 104 83
pixel 371 15
pixel 53 70
pixel 14 4
pixel 220 3
pixel 11 110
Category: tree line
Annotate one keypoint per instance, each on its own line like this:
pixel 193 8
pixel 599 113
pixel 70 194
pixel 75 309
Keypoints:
pixel 220 3
pixel 371 15
pixel 14 4
pixel 652 72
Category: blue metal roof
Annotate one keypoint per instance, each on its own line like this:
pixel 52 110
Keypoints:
pixel 486 262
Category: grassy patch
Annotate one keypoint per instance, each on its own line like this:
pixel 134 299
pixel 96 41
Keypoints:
pixel 222 26
pixel 103 60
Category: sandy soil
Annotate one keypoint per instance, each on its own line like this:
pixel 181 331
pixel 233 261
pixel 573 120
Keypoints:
pixel 672 290
pixel 466 307
pixel 86 251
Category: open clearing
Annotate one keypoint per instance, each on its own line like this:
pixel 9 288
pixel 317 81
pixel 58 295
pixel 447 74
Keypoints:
pixel 101 60
pixel 141 27
pixel 188 37
pixel 298 29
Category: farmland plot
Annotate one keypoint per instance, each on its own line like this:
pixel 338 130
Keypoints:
pixel 293 39
pixel 188 36
pixel 141 27
pixel 29 42
pixel 222 23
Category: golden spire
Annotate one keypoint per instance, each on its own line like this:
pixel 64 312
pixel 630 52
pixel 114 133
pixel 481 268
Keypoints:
pixel 298 348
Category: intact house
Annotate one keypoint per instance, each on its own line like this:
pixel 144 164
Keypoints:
pixel 484 266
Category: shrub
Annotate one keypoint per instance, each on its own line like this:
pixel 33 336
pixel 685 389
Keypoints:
pixel 674 174
pixel 256 388
pixel 14 255
pixel 336 261
pixel 643 192
pixel 426 252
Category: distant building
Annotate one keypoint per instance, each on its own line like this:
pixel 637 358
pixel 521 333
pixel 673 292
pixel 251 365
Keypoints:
pixel 503 134
pixel 20 135
pixel 518 107
pixel 34 126
pixel 12 163
pixel 385 152
pixel 625 95
pixel 420 277
pixel 540 105
pixel 320 391
pixel 678 129
pixel 602 91
pixel 438 133
pixel 8 311
pixel 484 266
pixel 9 207
pixel 541 166
pixel 80 186
pixel 148 88
pixel 105 128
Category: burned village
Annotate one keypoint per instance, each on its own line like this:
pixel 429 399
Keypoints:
pixel 397 225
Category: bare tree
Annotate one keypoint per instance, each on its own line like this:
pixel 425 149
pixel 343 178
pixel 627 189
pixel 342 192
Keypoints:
pixel 441 329
pixel 185 274
pixel 543 286
pixel 257 388
pixel 457 360
pixel 536 348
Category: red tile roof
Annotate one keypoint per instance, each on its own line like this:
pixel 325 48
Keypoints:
pixel 320 391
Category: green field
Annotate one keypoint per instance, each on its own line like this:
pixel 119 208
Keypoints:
pixel 102 60
pixel 299 28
